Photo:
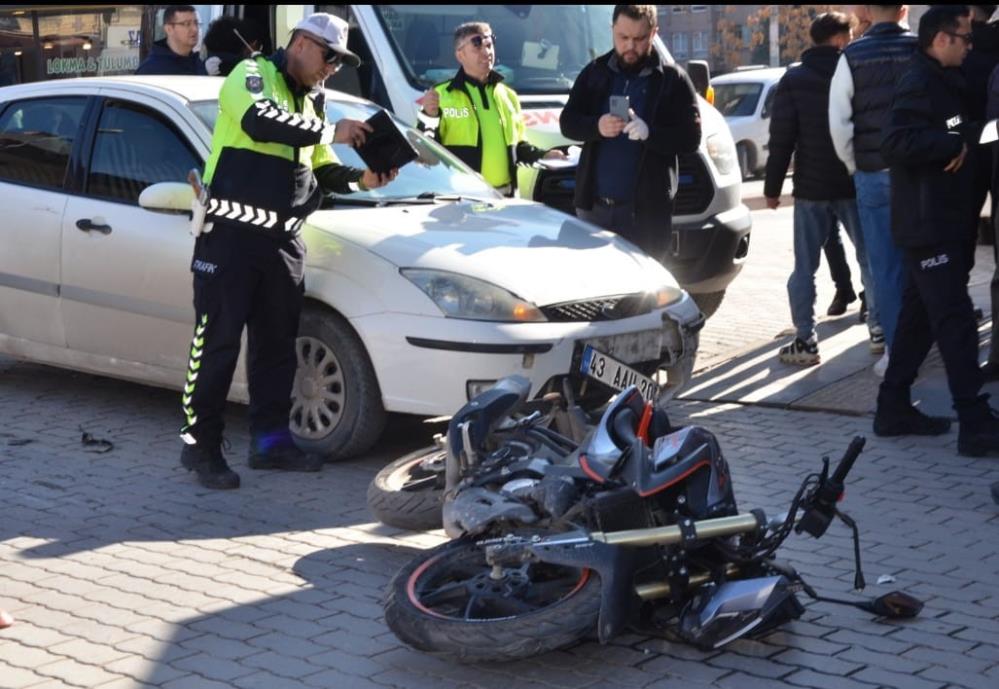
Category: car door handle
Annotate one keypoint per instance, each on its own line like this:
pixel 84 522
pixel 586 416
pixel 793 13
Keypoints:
pixel 86 225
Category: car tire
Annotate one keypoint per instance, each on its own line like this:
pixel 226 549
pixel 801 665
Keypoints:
pixel 708 302
pixel 743 155
pixel 337 407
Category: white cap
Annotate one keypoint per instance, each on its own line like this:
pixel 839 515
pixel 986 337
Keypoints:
pixel 332 31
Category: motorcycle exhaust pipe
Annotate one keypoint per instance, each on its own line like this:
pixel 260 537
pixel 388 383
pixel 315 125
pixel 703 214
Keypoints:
pixel 669 535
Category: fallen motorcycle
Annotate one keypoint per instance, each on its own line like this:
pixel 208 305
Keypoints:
pixel 408 493
pixel 636 526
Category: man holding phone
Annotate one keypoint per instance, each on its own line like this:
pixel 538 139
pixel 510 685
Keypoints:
pixel 634 113
pixel 476 116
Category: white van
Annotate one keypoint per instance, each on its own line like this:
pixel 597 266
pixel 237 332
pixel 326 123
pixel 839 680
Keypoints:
pixel 540 50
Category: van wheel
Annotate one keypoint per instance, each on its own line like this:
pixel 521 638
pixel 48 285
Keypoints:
pixel 708 302
pixel 743 155
pixel 336 406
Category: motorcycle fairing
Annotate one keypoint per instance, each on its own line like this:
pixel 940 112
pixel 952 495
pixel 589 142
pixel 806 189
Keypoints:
pixel 718 615
pixel 615 565
pixel 678 457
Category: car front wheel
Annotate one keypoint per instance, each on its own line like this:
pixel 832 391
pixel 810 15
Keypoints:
pixel 336 402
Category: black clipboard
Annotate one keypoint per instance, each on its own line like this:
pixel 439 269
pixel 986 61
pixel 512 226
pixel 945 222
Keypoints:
pixel 385 148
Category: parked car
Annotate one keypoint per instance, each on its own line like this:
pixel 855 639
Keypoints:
pixel 745 98
pixel 419 295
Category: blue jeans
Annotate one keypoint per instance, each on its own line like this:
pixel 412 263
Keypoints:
pixel 874 206
pixel 814 221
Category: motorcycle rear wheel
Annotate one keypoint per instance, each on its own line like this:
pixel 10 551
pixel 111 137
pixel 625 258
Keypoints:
pixel 445 602
pixel 409 492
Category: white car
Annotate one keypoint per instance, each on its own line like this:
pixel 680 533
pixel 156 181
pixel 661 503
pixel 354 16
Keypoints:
pixel 418 294
pixel 745 97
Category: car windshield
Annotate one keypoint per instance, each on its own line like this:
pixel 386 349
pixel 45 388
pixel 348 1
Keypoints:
pixel 737 99
pixel 436 172
pixel 540 49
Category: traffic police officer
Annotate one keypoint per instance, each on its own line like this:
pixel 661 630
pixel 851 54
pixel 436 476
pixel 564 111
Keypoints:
pixel 476 116
pixel 269 167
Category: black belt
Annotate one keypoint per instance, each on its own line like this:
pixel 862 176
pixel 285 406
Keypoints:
pixel 607 201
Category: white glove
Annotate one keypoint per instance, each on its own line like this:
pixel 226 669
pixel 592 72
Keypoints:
pixel 198 224
pixel 636 129
pixel 213 66
pixel 329 131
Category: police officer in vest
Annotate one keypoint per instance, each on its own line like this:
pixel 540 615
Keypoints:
pixel 269 166
pixel 476 116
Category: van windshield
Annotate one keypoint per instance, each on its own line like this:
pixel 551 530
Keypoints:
pixel 436 172
pixel 540 49
pixel 737 99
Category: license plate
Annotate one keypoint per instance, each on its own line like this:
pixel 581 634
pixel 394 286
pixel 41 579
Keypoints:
pixel 615 374
pixel 630 348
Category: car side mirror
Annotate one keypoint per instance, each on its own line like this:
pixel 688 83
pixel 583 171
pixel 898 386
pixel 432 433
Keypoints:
pixel 700 75
pixel 167 196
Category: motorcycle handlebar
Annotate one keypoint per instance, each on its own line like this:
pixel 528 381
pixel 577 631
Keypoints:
pixel 849 457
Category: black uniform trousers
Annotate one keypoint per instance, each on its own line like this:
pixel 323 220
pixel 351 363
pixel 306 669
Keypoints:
pixel 243 276
pixel 936 307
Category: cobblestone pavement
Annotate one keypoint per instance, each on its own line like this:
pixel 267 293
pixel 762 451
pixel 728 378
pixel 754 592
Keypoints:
pixel 121 572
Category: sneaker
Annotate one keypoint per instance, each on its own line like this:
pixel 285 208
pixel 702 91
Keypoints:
pixel 877 340
pixel 839 302
pixel 862 316
pixel 895 419
pixel 800 352
pixel 208 463
pixel 285 457
pixel 881 365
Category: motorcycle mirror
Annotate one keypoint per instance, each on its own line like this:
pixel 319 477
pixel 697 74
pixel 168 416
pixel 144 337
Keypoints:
pixel 895 605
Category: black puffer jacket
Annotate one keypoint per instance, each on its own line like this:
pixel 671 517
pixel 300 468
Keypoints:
pixel 877 61
pixel 926 128
pixel 799 125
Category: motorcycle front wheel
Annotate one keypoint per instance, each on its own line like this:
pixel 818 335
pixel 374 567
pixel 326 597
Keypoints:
pixel 449 601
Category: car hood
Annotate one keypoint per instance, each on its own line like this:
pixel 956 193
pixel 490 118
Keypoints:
pixel 539 254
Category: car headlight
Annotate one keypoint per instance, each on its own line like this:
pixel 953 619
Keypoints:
pixel 721 148
pixel 670 294
pixel 460 296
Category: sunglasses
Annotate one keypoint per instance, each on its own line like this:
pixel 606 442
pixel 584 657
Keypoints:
pixel 330 56
pixel 479 41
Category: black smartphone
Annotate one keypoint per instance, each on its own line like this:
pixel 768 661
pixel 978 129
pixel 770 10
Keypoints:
pixel 619 106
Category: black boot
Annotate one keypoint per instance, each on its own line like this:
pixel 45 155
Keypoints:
pixel 862 316
pixel 839 302
pixel 895 415
pixel 208 462
pixel 978 434
pixel 990 371
pixel 281 453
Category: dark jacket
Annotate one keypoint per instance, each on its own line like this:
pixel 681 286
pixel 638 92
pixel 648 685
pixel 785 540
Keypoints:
pixel 674 127
pixel 799 125
pixel 926 129
pixel 979 64
pixel 877 61
pixel 162 60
